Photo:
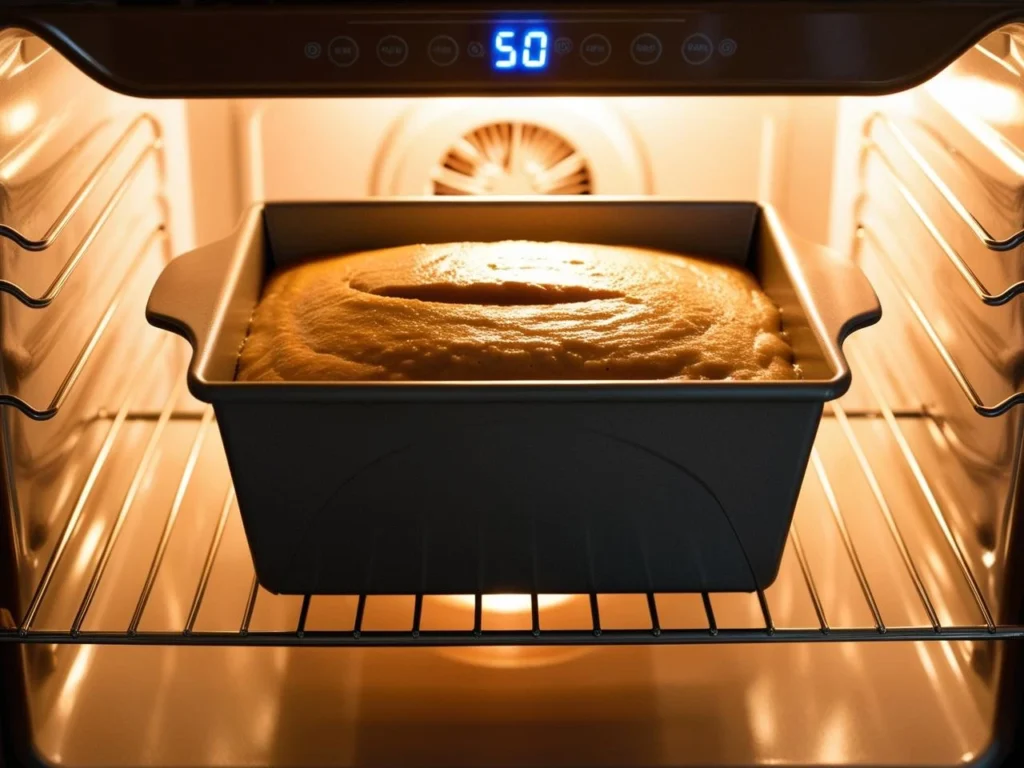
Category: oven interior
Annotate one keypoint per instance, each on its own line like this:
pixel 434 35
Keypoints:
pixel 134 632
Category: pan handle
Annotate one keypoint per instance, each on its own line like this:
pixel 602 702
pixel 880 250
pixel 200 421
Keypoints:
pixel 838 291
pixel 846 300
pixel 189 296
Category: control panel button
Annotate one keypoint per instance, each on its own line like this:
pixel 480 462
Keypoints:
pixel 697 49
pixel 646 49
pixel 392 51
pixel 343 51
pixel 313 50
pixel 476 49
pixel 727 47
pixel 563 45
pixel 443 50
pixel 595 49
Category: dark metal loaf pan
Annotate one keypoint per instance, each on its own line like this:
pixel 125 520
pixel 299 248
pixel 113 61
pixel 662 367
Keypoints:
pixel 550 487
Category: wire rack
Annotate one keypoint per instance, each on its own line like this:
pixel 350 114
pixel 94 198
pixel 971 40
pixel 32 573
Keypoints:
pixel 408 626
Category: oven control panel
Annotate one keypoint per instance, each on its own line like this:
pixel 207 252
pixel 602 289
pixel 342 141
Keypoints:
pixel 523 51
pixel 393 47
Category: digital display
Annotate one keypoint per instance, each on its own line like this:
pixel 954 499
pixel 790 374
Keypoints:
pixel 524 49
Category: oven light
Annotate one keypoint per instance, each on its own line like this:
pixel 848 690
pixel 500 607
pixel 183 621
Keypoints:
pixel 988 558
pixel 516 656
pixel 509 603
pixel 992 102
pixel 978 105
pixel 20 117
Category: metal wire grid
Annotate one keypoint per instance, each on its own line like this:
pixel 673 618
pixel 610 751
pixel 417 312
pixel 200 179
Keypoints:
pixel 651 631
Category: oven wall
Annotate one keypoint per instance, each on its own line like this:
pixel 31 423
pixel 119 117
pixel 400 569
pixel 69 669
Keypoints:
pixel 75 303
pixel 922 179
pixel 774 149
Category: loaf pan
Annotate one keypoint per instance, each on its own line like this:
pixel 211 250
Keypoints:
pixel 497 487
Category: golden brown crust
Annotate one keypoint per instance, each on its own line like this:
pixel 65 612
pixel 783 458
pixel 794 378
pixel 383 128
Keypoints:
pixel 514 311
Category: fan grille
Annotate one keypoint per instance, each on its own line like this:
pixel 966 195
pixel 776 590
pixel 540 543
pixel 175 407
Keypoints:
pixel 512 158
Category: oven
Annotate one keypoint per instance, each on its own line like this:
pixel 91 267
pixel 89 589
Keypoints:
pixel 133 628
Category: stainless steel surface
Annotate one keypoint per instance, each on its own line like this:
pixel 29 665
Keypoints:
pixel 473 707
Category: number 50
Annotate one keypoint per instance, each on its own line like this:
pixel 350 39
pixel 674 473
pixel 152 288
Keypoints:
pixel 534 49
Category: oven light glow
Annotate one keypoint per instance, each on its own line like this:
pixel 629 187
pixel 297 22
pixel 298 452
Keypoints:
pixel 525 49
pixel 510 603
pixel 992 102
pixel 20 117
pixel 982 107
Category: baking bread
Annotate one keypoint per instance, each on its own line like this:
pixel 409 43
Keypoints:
pixel 514 311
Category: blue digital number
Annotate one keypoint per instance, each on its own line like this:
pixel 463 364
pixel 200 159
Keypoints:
pixel 502 40
pixel 535 49
pixel 513 52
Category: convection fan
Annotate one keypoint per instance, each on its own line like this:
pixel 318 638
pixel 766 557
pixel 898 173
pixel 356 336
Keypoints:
pixel 512 158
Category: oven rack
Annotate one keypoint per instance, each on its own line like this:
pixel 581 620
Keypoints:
pixel 987 296
pixel 990 241
pixel 866 233
pixel 802 582
pixel 906 294
pixel 143 125
pixel 37 244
